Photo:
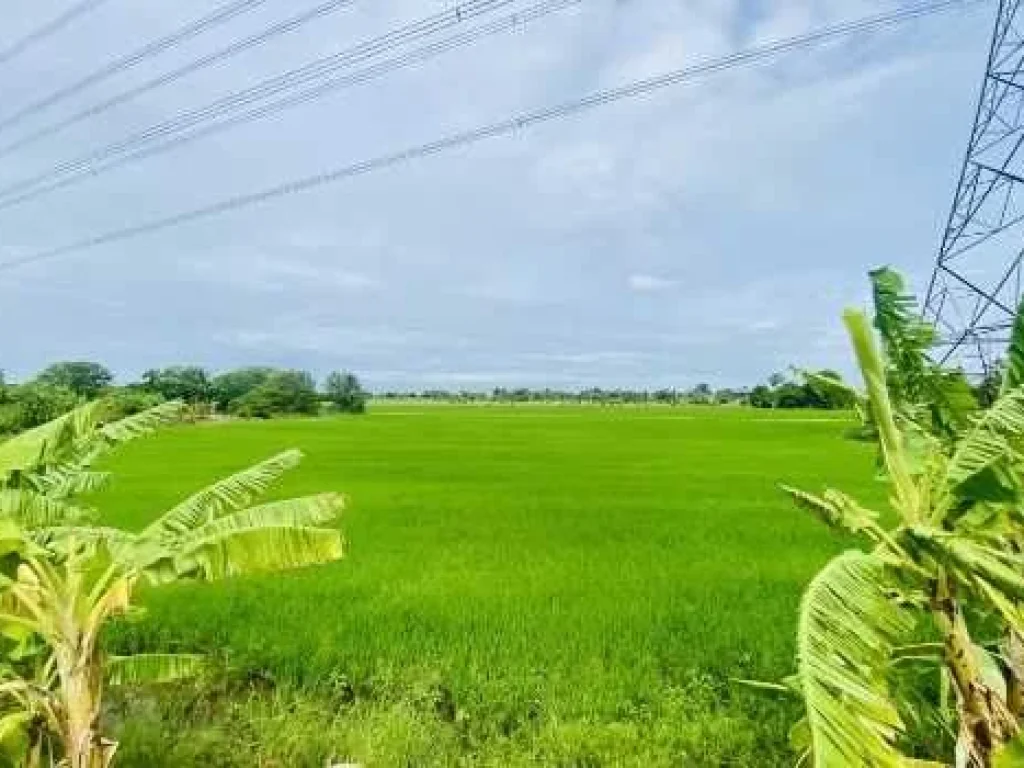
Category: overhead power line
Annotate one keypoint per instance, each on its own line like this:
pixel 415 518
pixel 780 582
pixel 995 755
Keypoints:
pixel 132 146
pixel 512 125
pixel 276 30
pixel 219 16
pixel 49 28
pixel 29 189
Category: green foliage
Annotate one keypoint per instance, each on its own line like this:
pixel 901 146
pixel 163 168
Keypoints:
pixel 127 401
pixel 345 392
pixel 281 392
pixel 956 483
pixel 85 379
pixel 905 337
pixel 231 386
pixel 849 628
pixel 188 383
pixel 941 401
pixel 32 404
pixel 64 580
pixel 822 389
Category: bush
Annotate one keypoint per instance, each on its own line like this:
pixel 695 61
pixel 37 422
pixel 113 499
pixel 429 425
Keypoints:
pixel 127 401
pixel 345 392
pixel 32 404
pixel 229 387
pixel 283 392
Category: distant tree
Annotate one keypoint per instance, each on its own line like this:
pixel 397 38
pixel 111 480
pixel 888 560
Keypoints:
pixel 85 379
pixel 825 389
pixel 790 394
pixel 761 396
pixel 179 382
pixel 345 392
pixel 283 392
pixel 233 385
pixel 665 396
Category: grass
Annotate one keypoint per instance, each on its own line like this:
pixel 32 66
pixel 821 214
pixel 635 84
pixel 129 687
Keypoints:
pixel 524 585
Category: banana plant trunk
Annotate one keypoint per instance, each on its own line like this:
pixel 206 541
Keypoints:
pixel 986 721
pixel 80 679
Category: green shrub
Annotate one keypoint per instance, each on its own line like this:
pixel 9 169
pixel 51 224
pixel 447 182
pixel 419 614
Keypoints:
pixel 127 401
pixel 345 393
pixel 32 404
pixel 283 392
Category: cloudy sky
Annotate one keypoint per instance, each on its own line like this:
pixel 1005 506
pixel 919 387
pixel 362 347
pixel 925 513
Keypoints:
pixel 709 232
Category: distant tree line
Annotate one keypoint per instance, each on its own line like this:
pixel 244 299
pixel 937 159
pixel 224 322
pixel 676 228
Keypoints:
pixel 254 392
pixel 781 391
pixel 264 392
pixel 702 393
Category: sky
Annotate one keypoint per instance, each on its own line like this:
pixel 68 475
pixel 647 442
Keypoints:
pixel 711 232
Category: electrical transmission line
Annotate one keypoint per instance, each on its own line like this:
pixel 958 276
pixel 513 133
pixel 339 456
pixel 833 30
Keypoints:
pixel 281 28
pixel 49 28
pixel 219 16
pixel 133 147
pixel 632 90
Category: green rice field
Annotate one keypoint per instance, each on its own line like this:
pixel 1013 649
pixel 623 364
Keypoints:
pixel 529 585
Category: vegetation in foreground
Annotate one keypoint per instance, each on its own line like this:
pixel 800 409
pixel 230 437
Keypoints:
pixel 63 578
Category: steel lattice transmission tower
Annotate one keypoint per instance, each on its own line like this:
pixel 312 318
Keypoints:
pixel 976 285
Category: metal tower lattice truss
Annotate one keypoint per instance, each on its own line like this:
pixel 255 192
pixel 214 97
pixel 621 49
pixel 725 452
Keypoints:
pixel 976 285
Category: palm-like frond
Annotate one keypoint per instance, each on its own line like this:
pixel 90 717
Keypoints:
pixel 982 465
pixel 1013 376
pixel 231 493
pixel 298 512
pixel 847 630
pixel 835 509
pixel 66 482
pixel 138 424
pixel 74 440
pixel 257 550
pixel 34 510
pixel 28 450
pixel 891 441
pixel 153 668
pixel 915 383
pixel 91 437
pixel 60 539
pixel 971 560
pixel 905 337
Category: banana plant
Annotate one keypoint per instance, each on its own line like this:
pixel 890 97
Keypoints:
pixel 63 584
pixel 42 469
pixel 956 494
pixel 938 400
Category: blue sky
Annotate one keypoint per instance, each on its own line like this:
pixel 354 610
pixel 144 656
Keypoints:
pixel 711 232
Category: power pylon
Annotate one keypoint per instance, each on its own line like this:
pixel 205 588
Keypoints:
pixel 976 285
